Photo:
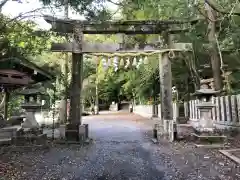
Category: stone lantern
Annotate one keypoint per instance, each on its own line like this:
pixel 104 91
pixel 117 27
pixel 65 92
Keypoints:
pixel 205 107
pixel 32 105
pixel 205 132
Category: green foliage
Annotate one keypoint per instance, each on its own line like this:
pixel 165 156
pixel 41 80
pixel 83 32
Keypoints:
pixel 20 35
pixel 17 39
pixel 15 105
pixel 92 9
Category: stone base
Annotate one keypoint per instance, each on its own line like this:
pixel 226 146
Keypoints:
pixel 77 133
pixel 62 131
pixel 30 120
pixel 8 132
pixel 72 132
pixel 170 130
pixel 208 139
pixel 6 141
pixel 40 139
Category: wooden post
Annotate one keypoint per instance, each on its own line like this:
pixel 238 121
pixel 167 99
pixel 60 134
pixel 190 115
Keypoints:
pixel 6 100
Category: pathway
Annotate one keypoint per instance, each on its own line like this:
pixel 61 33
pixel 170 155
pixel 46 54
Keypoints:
pixel 122 150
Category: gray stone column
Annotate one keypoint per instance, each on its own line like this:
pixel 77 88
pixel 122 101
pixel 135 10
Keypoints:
pixel 166 90
pixel 73 128
pixel 76 87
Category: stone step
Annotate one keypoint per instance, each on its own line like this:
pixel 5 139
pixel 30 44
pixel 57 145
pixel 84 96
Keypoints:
pixel 5 141
pixel 8 132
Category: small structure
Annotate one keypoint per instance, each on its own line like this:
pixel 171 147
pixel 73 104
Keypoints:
pixel 17 73
pixel 205 131
pixel 33 106
pixel 205 106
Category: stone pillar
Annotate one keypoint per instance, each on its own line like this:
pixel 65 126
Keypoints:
pixel 218 113
pixel 154 113
pixel 228 110
pixel 63 111
pixel 234 109
pixel 238 108
pixel 186 109
pixel 223 109
pixel 72 129
pixel 75 94
pixel 166 94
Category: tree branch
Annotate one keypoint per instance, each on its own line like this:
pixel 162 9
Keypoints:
pixel 2 4
pixel 220 10
pixel 117 4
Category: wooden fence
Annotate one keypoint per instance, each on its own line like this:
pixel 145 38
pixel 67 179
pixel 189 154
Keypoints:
pixel 225 114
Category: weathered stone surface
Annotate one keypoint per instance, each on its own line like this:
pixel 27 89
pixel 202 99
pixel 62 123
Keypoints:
pixel 82 132
pixel 30 120
pixel 8 132
pixel 238 107
pixel 62 131
pixel 234 109
pixel 218 113
pixel 228 109
pixel 166 87
pixel 214 109
pixel 223 109
pixel 191 110
pixel 186 109
pixel 72 132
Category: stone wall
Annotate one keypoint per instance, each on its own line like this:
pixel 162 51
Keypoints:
pixel 147 110
pixel 143 110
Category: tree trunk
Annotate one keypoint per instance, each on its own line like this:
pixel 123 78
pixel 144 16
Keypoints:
pixel 215 59
pixel 6 100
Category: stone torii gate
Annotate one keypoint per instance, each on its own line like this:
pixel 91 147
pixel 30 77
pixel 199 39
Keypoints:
pixel 78 47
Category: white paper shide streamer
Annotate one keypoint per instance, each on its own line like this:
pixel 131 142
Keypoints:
pixel 105 64
pixel 127 63
pixel 134 61
pixel 115 63
pixel 139 63
pixel 145 61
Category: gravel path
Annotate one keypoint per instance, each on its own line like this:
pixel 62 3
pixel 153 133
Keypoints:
pixel 121 150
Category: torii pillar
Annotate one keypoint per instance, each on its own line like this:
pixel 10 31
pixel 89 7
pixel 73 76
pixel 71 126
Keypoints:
pixel 165 70
pixel 73 128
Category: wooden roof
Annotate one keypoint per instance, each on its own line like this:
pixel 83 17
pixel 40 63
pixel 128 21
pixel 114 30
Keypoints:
pixel 25 66
pixel 13 65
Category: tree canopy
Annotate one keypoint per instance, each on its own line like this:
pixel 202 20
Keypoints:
pixel 138 84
